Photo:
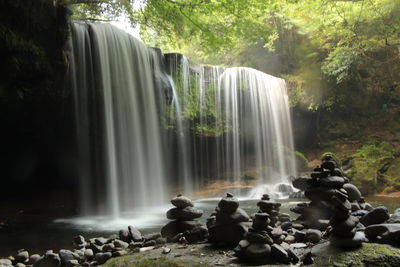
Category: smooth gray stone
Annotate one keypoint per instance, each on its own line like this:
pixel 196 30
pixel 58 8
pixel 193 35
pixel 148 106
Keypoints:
pixel 102 257
pixel 376 216
pixel 313 236
pixel 353 192
pixel 181 202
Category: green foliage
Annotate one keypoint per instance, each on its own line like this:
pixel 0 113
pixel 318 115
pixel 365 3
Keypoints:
pixel 301 161
pixel 371 162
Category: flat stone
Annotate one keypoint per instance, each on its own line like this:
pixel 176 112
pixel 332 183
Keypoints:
pixel 301 183
pixel 181 202
pixel 352 191
pixel 376 216
pixel 185 214
pixel 254 237
pixel 332 182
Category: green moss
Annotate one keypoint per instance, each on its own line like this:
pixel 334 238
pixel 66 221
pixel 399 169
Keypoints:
pixel 368 255
pixel 138 261
pixel 301 161
pixel 335 157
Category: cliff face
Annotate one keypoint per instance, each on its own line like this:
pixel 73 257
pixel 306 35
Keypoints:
pixel 35 117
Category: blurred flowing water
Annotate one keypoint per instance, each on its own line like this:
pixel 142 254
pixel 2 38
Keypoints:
pixel 142 119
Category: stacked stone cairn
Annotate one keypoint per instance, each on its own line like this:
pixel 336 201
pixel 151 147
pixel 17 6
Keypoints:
pixel 184 227
pixel 228 223
pixel 344 232
pixel 263 243
pixel 325 180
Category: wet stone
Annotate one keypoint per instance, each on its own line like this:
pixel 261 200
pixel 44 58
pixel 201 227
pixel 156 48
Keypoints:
pixel 181 202
pixel 185 214
pixel 236 217
pixel 228 204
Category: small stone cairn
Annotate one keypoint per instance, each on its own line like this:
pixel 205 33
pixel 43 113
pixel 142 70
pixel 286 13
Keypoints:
pixel 184 227
pixel 271 208
pixel 260 244
pixel 344 232
pixel 228 224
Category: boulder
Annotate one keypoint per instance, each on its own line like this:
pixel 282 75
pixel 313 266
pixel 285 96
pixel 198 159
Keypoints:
pixel 376 216
pixel 236 217
pixel 173 228
pixel 229 235
pixel 134 234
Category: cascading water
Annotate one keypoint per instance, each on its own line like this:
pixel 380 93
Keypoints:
pixel 113 73
pixel 149 126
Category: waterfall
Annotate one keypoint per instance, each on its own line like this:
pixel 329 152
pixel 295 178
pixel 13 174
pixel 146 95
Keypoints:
pixel 125 126
pixel 152 124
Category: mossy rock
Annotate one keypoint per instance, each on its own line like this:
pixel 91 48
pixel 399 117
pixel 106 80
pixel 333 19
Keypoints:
pixel 369 254
pixel 139 261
